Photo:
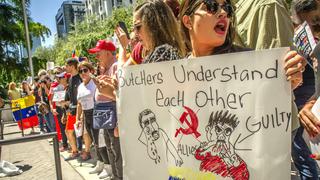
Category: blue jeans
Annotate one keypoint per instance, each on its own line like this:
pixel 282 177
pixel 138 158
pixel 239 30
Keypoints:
pixel 79 143
pixel 51 125
pixel 41 122
pixel 40 118
pixel 306 166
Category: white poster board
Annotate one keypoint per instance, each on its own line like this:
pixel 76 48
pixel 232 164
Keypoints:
pixel 59 96
pixel 50 65
pixel 216 117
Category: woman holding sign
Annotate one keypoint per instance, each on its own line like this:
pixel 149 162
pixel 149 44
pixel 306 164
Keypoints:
pixel 85 107
pixel 208 26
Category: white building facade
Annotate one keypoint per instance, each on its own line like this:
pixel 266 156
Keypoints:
pixel 103 8
pixel 69 13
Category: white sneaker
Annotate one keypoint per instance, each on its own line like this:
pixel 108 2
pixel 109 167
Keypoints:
pixel 109 178
pixel 98 168
pixel 108 168
pixel 106 172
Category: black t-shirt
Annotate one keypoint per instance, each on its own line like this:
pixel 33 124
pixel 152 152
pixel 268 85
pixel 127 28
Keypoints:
pixel 307 89
pixel 72 92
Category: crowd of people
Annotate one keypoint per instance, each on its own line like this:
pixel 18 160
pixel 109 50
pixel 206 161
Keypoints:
pixel 166 30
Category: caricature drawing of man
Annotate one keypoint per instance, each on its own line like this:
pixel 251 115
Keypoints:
pixel 154 138
pixel 218 155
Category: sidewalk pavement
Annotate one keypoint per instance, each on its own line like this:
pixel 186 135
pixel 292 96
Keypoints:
pixel 36 158
pixel 84 168
pixel 37 161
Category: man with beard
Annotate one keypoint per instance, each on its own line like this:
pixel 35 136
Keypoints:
pixel 152 136
pixel 218 155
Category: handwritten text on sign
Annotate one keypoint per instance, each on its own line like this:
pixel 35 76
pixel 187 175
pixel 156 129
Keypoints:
pixel 218 117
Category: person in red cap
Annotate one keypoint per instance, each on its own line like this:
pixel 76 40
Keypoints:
pixel 105 54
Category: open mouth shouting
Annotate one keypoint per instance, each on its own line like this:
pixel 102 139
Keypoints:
pixel 221 27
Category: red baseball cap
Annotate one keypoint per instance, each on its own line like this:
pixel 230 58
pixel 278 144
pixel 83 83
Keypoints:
pixel 103 45
pixel 64 75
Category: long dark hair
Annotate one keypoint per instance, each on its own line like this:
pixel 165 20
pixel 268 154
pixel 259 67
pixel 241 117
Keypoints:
pixel 161 25
pixel 188 7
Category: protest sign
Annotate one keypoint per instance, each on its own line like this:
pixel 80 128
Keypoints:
pixel 304 40
pixel 50 65
pixel 215 117
pixel 58 96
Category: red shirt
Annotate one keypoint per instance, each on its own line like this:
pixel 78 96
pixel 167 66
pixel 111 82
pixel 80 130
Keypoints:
pixel 136 54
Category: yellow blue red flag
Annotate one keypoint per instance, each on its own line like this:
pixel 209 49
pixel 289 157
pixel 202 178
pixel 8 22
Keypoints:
pixel 24 112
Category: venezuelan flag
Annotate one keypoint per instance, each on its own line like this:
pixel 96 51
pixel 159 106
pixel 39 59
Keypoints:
pixel 24 112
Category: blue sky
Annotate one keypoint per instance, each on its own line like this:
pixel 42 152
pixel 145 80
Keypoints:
pixel 44 11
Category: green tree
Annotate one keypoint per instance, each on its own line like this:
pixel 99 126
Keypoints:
pixel 12 34
pixel 45 53
pixel 87 33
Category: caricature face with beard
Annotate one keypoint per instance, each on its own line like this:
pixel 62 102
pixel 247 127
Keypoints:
pixel 217 154
pixel 223 133
pixel 151 130
pixel 218 131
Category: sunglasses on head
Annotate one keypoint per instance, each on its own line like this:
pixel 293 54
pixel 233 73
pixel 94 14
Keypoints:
pixel 84 70
pixel 213 7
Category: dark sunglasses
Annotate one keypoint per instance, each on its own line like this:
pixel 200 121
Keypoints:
pixel 84 70
pixel 213 7
pixel 137 27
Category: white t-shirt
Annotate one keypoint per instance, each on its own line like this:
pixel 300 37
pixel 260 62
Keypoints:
pixel 86 95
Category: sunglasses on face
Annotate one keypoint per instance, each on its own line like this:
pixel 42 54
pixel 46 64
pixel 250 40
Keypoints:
pixel 84 70
pixel 213 7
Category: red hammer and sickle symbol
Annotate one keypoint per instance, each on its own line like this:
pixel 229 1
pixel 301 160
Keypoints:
pixel 193 126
